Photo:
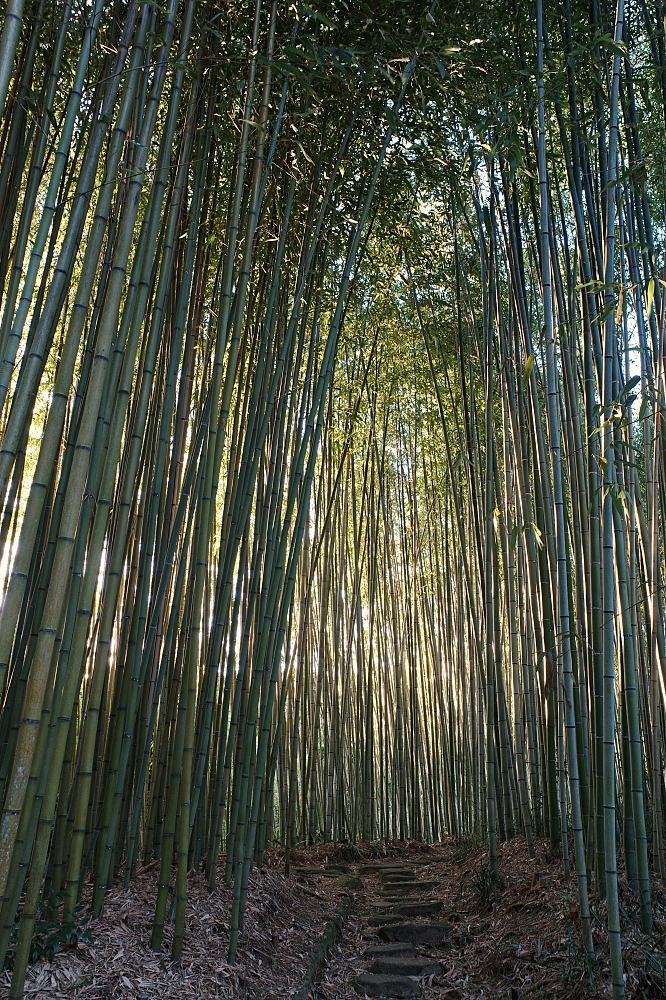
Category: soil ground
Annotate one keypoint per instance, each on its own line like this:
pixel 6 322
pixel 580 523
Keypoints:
pixel 515 940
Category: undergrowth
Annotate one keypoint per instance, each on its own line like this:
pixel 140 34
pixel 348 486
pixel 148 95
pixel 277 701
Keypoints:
pixel 51 934
pixel 484 884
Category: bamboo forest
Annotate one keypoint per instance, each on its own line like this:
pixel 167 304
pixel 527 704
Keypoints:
pixel 332 499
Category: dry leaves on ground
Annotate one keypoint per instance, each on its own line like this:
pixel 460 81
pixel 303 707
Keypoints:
pixel 283 920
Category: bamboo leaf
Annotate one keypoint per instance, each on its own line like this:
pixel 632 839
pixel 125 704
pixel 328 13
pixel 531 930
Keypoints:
pixel 318 16
pixel 527 369
pixel 441 68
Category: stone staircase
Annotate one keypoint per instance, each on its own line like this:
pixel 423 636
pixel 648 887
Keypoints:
pixel 400 931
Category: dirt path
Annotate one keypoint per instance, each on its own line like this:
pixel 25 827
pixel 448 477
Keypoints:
pixel 430 924
pixel 426 922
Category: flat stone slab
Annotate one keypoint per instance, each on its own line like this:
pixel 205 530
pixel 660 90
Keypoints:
pixel 396 874
pixel 419 909
pixel 430 933
pixel 394 949
pixel 400 888
pixel 384 918
pixel 387 986
pixel 393 898
pixel 350 881
pixel 397 965
pixel 405 886
pixel 410 907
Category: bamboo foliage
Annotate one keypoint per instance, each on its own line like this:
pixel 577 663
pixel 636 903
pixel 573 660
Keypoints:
pixel 330 510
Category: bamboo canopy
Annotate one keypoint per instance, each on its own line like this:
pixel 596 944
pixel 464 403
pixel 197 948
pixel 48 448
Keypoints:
pixel 332 451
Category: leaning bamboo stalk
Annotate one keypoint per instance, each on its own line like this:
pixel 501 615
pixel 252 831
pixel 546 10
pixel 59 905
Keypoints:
pixel 609 393
pixel 558 492
pixel 57 590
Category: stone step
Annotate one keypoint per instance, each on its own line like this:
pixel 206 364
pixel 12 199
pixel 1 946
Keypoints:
pixel 384 918
pixel 396 948
pixel 435 933
pixel 397 893
pixel 350 881
pixel 423 908
pixel 397 965
pixel 397 879
pixel 385 866
pixel 403 897
pixel 410 907
pixel 408 886
pixel 405 888
pixel 396 874
pixel 387 986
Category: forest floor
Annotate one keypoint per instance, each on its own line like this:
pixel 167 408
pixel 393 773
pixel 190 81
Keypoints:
pixel 515 940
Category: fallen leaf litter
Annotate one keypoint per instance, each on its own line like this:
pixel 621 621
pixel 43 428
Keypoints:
pixel 518 940
pixel 284 917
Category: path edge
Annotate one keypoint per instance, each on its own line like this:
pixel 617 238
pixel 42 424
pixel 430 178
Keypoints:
pixel 329 937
